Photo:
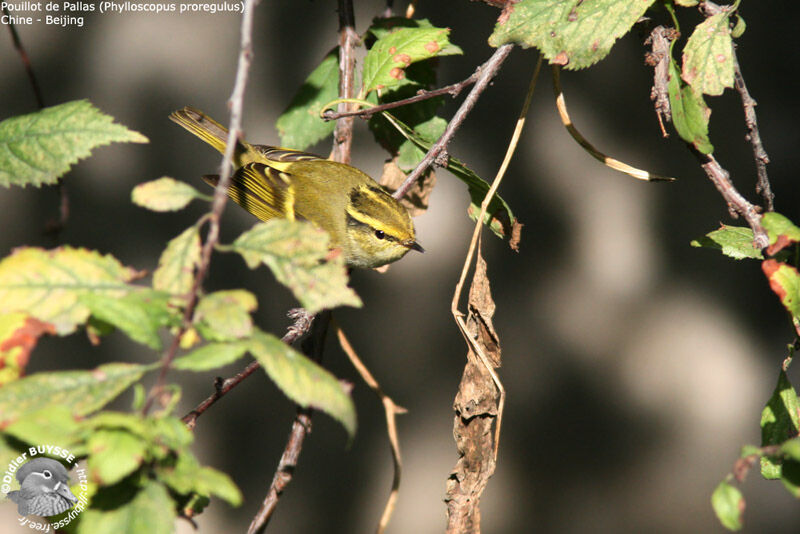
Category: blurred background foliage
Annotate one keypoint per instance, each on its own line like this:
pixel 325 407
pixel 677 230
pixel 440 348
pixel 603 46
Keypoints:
pixel 636 366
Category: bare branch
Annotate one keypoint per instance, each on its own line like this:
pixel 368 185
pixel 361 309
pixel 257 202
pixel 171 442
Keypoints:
pixel 659 58
pixel 302 323
pixel 348 39
pixel 313 347
pixel 753 136
pixel 453 90
pixel 236 103
pixel 438 152
pixel 737 204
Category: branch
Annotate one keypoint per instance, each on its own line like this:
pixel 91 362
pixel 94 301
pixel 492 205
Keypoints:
pixel 301 427
pixel 453 90
pixel 236 103
pixel 659 41
pixel 438 152
pixel 26 62
pixel 737 204
pixel 302 323
pixel 753 136
pixel 348 38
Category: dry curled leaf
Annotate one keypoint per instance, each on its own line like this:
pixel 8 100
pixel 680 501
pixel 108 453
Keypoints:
pixel 417 198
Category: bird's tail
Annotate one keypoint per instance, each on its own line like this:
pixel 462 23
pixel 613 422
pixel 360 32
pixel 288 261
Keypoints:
pixel 202 126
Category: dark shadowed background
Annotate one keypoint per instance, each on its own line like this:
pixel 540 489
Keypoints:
pixel 636 366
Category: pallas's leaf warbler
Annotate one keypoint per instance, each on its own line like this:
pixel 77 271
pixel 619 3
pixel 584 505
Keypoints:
pixel 364 221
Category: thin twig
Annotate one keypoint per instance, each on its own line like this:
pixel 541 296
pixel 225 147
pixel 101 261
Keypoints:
pixel 302 323
pixel 54 226
pixel 438 152
pixel 236 103
pixel 26 62
pixel 753 136
pixel 737 204
pixel 348 39
pixel 301 427
pixel 453 90
pixel 390 410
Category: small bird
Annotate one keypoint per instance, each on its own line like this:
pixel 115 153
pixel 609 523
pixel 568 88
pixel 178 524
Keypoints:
pixel 44 488
pixel 363 219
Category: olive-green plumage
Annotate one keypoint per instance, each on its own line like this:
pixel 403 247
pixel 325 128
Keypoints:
pixel 363 220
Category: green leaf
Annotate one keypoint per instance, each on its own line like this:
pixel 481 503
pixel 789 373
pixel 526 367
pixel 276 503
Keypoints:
pixel 386 62
pixel 300 125
pixel 165 194
pixel 791 448
pixel 178 262
pixel 113 455
pixel 687 3
pixel 790 477
pixel 225 315
pixel 53 424
pixel 82 392
pixel 734 241
pixel 708 56
pixel 139 314
pixel 210 356
pixel 738 28
pixel 784 280
pixel 185 475
pixel 126 509
pixel 780 228
pixel 296 252
pixel 40 147
pixel 48 284
pixel 690 115
pixel 728 504
pixel 779 422
pixel 572 33
pixel 498 217
pixel 302 380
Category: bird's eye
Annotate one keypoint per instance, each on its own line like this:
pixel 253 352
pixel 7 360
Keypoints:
pixel 379 234
pixel 46 474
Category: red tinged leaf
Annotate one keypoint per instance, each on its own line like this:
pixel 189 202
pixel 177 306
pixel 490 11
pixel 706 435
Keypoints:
pixel 17 345
pixel 784 280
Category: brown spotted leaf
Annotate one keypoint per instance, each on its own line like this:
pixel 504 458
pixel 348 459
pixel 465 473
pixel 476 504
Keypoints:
pixel 572 33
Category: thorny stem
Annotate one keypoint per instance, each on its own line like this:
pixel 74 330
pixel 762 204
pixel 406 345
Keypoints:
pixel 302 323
pixel 348 38
pixel 236 103
pixel 438 151
pixel 453 90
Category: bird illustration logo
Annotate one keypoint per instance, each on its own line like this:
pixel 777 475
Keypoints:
pixel 44 488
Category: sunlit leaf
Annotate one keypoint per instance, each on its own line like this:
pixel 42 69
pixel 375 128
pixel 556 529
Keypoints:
pixel 302 380
pixel 386 61
pixel 708 56
pixel 82 392
pixel 113 455
pixel 571 33
pixel 779 422
pixel 734 241
pixel 164 194
pixel 129 509
pixel 40 147
pixel 728 504
pixel 225 315
pixel 210 356
pixel 690 115
pixel 177 264
pixel 47 284
pixel 296 254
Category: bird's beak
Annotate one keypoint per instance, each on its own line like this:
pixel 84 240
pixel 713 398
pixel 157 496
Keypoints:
pixel 63 490
pixel 413 245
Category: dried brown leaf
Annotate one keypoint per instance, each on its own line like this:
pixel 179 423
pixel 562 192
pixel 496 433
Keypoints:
pixel 417 198
pixel 481 311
